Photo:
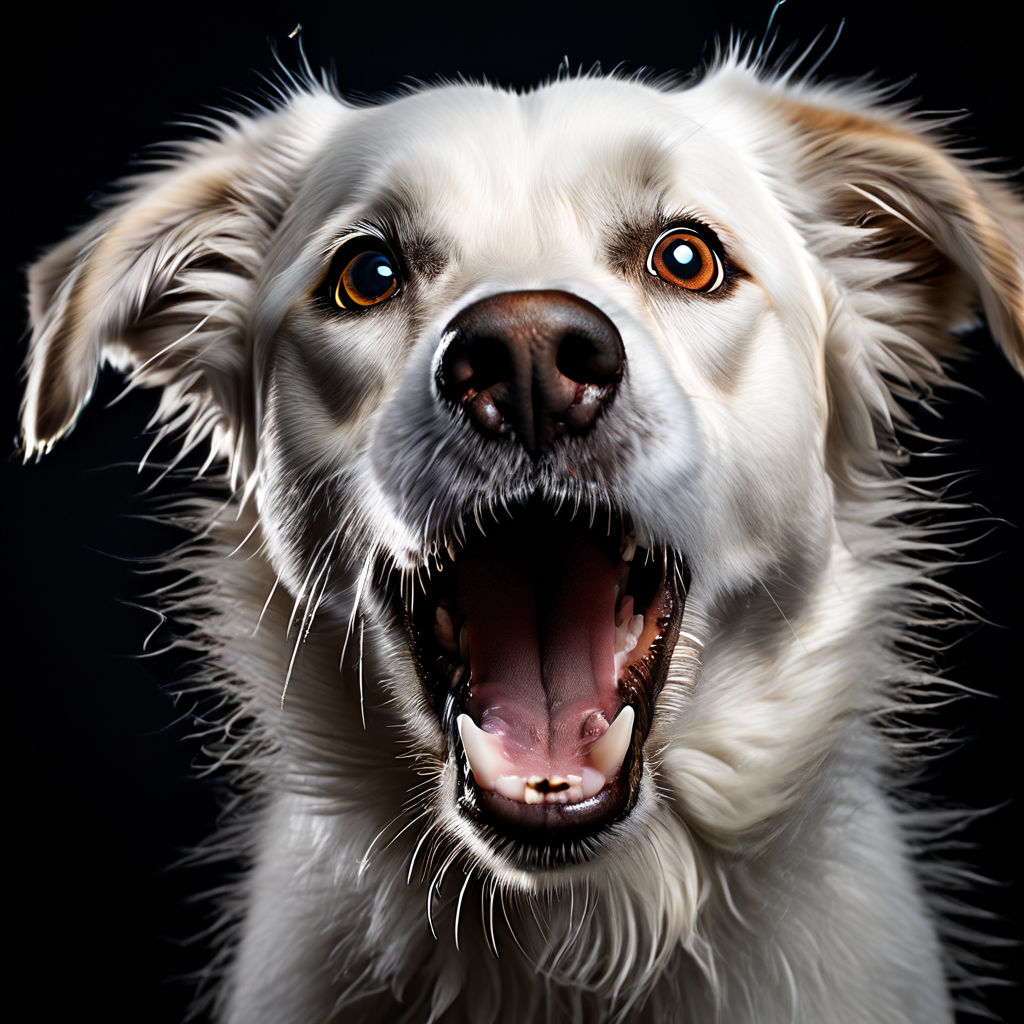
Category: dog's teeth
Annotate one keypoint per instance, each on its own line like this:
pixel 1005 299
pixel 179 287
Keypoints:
pixel 573 792
pixel 444 630
pixel 627 632
pixel 483 751
pixel 464 644
pixel 621 636
pixel 451 548
pixel 608 753
pixel 624 623
pixel 492 770
pixel 511 786
pixel 628 549
pixel 636 628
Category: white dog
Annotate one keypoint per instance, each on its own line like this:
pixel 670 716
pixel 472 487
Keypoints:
pixel 561 604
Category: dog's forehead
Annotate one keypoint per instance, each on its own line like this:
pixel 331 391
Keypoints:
pixel 596 146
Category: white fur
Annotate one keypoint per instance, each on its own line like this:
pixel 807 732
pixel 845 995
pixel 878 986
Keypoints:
pixel 770 872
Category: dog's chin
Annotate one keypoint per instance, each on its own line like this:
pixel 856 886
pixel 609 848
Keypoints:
pixel 542 637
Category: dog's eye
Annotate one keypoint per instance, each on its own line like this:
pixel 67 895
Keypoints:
pixel 364 272
pixel 684 258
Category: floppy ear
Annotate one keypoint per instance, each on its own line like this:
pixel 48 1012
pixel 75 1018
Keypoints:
pixel 161 283
pixel 913 238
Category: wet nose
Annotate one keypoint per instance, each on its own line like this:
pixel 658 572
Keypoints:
pixel 534 364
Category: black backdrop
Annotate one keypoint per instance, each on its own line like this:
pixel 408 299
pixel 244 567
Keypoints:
pixel 100 798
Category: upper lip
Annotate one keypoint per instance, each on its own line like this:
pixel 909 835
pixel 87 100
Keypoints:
pixel 570 624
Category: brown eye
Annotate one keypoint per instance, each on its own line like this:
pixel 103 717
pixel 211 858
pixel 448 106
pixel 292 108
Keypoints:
pixel 683 258
pixel 364 272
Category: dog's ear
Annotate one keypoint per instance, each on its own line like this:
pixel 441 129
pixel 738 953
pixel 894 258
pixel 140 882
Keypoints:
pixel 894 213
pixel 913 240
pixel 161 282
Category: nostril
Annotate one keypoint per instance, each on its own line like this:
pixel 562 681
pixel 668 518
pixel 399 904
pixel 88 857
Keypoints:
pixel 587 361
pixel 480 363
pixel 534 365
pixel 473 370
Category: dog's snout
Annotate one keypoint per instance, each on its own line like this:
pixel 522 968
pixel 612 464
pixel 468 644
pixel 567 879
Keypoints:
pixel 537 363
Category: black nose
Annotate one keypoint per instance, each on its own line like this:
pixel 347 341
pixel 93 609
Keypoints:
pixel 537 363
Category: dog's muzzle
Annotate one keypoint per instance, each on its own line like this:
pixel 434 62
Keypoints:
pixel 542 629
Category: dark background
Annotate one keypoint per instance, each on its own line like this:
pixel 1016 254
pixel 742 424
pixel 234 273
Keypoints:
pixel 100 794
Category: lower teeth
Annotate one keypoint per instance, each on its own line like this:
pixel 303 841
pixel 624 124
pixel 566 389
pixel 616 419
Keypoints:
pixel 489 766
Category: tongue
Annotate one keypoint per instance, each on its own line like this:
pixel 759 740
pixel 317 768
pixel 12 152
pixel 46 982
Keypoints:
pixel 540 612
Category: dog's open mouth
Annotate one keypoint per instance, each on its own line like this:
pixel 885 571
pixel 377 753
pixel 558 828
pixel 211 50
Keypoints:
pixel 543 640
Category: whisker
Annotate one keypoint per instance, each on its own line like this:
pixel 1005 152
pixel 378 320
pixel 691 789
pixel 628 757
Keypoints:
pixel 360 585
pixel 458 905
pixel 266 605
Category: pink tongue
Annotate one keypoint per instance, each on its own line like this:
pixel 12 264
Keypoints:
pixel 541 620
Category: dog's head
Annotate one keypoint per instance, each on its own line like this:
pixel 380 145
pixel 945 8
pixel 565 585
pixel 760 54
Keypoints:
pixel 568 414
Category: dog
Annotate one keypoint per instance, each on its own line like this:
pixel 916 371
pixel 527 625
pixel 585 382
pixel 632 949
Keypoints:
pixel 562 601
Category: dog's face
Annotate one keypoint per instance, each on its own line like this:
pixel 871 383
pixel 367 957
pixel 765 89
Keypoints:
pixel 544 369
pixel 564 414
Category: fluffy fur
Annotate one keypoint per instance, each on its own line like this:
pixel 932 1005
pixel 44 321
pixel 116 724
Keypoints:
pixel 769 871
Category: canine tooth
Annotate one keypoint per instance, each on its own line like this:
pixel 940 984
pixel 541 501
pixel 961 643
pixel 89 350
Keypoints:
pixel 608 753
pixel 464 643
pixel 628 549
pixel 483 752
pixel 460 671
pixel 444 630
pixel 451 548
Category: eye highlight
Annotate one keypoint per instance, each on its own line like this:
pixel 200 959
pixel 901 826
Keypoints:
pixel 364 273
pixel 684 257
